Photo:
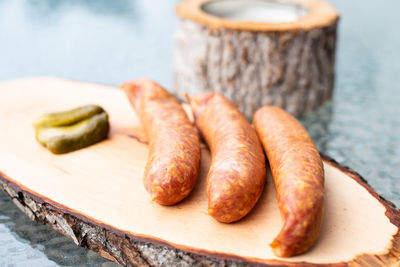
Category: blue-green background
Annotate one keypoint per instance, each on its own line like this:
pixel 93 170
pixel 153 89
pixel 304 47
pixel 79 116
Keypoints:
pixel 113 41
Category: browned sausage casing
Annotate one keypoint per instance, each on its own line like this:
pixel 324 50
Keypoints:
pixel 237 172
pixel 298 173
pixel 174 148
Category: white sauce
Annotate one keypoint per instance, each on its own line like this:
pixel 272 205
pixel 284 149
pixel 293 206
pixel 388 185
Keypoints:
pixel 269 11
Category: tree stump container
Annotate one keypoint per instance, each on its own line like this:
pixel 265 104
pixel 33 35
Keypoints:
pixel 257 52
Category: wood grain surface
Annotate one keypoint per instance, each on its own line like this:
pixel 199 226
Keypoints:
pixel 95 195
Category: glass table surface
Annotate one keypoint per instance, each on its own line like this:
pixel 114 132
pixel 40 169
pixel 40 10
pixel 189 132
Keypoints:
pixel 110 42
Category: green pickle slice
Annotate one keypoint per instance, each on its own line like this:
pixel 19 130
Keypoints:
pixel 67 117
pixel 67 131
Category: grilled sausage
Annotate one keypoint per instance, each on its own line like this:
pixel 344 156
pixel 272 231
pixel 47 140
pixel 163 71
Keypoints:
pixel 174 149
pixel 237 173
pixel 298 173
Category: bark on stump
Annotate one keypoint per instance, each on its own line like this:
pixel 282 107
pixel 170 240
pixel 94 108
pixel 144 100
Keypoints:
pixel 292 69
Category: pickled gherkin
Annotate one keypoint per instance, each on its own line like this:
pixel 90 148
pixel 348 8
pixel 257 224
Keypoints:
pixel 67 117
pixel 67 131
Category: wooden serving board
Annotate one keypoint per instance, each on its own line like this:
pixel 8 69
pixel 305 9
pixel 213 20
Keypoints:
pixel 95 195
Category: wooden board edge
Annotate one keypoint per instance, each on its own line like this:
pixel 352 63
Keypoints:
pixel 392 212
pixel 135 250
pixel 320 14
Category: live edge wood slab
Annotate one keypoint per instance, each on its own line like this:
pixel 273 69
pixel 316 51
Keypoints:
pixel 95 196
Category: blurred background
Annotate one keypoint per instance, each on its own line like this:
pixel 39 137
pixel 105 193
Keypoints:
pixel 110 42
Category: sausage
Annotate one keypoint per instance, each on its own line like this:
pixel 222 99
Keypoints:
pixel 298 173
pixel 236 176
pixel 174 148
